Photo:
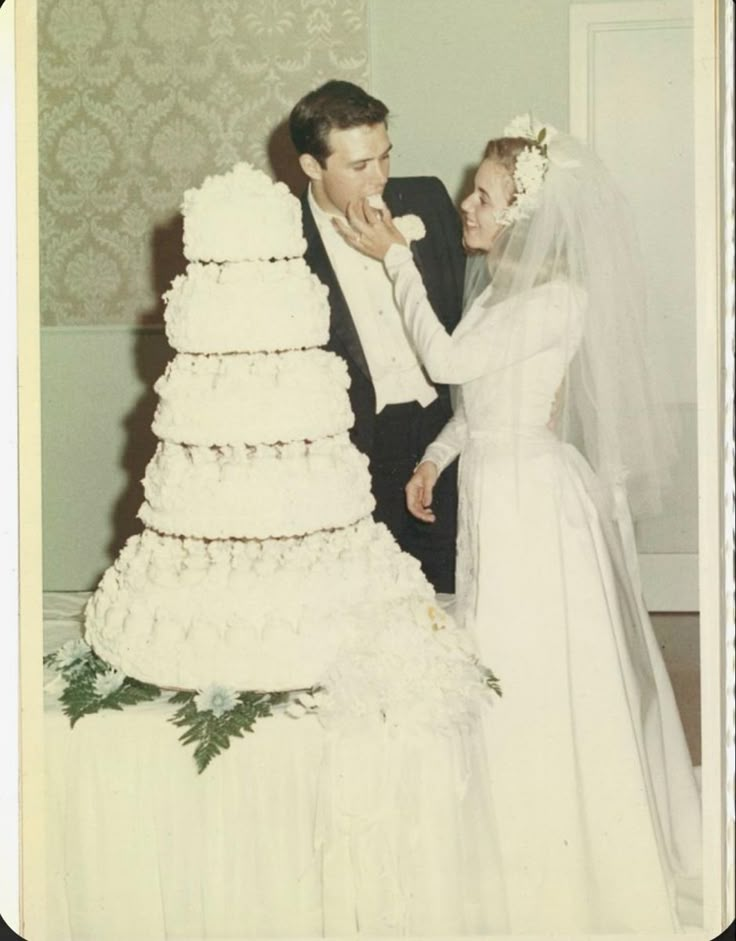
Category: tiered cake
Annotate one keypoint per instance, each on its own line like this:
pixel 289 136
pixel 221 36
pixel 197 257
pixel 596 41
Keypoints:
pixel 260 560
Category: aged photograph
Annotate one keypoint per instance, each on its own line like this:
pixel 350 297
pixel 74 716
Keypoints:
pixel 377 352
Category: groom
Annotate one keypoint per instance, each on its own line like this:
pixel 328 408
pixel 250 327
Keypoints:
pixel 341 135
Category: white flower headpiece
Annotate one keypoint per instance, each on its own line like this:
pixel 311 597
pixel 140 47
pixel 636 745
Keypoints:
pixel 526 125
pixel 531 167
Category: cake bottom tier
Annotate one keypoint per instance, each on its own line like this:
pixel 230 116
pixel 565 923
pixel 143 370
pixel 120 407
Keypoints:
pixel 249 614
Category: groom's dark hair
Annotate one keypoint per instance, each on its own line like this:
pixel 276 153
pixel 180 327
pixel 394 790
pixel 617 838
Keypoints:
pixel 335 104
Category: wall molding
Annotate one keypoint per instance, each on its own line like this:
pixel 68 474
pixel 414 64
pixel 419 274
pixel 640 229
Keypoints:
pixel 612 45
pixel 69 329
pixel 589 19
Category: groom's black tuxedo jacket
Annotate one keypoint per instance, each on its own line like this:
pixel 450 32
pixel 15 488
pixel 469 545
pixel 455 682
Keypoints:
pixel 439 258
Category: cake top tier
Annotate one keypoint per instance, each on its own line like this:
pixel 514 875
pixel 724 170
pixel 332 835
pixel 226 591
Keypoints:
pixel 242 215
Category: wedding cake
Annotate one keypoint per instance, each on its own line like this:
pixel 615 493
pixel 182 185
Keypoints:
pixel 260 566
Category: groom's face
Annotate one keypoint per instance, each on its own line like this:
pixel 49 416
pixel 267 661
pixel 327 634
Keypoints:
pixel 357 167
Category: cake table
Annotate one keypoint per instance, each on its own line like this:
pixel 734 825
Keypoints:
pixel 140 846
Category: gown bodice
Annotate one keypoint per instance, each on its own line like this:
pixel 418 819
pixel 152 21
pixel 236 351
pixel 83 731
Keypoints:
pixel 508 359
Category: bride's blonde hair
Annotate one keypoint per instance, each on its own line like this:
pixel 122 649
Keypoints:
pixel 502 262
pixel 505 150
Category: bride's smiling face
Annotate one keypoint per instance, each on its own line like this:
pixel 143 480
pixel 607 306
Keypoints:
pixel 492 192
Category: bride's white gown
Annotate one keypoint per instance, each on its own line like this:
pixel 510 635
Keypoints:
pixel 596 804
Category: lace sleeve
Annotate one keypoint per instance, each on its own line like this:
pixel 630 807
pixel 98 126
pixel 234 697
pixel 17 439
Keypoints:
pixel 488 338
pixel 446 359
pixel 448 443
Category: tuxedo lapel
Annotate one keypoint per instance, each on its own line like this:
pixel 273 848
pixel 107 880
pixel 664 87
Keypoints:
pixel 394 199
pixel 341 322
pixel 438 255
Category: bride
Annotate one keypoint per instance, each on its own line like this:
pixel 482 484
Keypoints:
pixel 597 806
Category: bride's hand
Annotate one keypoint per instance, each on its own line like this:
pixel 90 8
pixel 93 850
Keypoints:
pixel 419 491
pixel 371 231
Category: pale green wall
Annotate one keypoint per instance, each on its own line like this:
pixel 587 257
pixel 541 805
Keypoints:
pixel 454 73
pixel 97 408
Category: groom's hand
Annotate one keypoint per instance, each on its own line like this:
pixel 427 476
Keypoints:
pixel 419 491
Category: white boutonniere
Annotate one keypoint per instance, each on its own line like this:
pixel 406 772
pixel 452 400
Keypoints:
pixel 411 227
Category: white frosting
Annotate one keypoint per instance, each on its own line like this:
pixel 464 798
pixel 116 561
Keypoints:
pixel 253 397
pixel 239 491
pixel 247 308
pixel 242 215
pixel 248 614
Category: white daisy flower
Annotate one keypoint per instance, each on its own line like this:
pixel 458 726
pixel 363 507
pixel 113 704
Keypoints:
pixel 108 682
pixel 216 699
pixel 72 652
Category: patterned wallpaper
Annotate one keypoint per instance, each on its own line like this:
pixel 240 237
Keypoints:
pixel 141 99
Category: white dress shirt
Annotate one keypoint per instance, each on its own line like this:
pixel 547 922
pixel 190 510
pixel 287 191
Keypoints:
pixel 393 364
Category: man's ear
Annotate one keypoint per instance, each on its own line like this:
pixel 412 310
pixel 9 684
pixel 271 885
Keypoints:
pixel 311 167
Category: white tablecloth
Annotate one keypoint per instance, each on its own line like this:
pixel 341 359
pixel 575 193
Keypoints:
pixel 139 846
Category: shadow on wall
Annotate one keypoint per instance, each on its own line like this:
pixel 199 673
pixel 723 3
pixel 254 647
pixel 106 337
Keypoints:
pixel 284 159
pixel 466 184
pixel 151 353
pixel 167 261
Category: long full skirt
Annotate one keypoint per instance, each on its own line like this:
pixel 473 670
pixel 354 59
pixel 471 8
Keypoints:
pixel 596 802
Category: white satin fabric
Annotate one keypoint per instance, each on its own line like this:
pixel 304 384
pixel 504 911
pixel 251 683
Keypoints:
pixel 292 832
pixel 595 797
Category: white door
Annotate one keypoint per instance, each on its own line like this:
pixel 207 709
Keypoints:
pixel 631 97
